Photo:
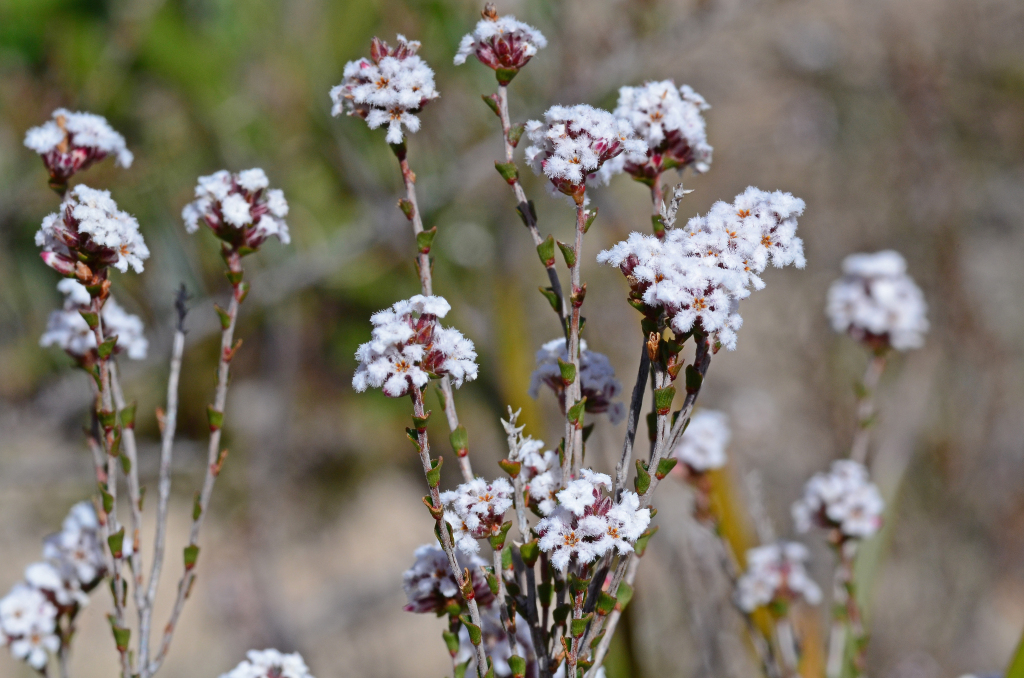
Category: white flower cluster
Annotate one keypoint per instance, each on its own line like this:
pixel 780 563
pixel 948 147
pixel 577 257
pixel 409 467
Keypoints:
pixel 844 499
pixel 597 378
pixel 877 302
pixel 389 88
pixel 67 328
pixel 409 347
pixel 476 510
pixel 74 565
pixel 430 585
pixel 90 228
pixel 501 42
pixel 697 274
pixel 73 141
pixel 776 573
pixel 541 474
pixel 574 142
pixel 669 119
pixel 702 446
pixel 587 524
pixel 240 208
pixel 270 664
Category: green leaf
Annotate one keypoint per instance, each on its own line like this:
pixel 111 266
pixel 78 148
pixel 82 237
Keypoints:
pixel 498 540
pixel 108 499
pixel 561 613
pixel 492 581
pixel 529 215
pixel 508 171
pixel 407 208
pixel 107 419
pixel 568 253
pixel 225 318
pixel 425 239
pixel 474 630
pixel 215 418
pixel 657 225
pixel 122 636
pixel 506 558
pixel 605 603
pixel 234 277
pixel 663 399
pixel 126 463
pixel 459 439
pixel 420 423
pixel 643 479
pixel 693 379
pixel 568 371
pixel 492 102
pixel 664 467
pixel 511 467
pixel 591 215
pixel 434 474
pixel 505 75
pixel 91 319
pixel 575 413
pixel 515 133
pixel 518 666
pixel 624 595
pixel 243 292
pixel 128 416
pixel 641 543
pixel 460 670
pixel 436 512
pixel 546 251
pixel 552 298
pixel 579 626
pixel 191 555
pixel 197 506
pixel 107 347
pixel 530 551
pixel 451 641
pixel 116 543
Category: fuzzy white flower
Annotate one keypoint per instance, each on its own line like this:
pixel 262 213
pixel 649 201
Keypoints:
pixel 597 378
pixel 77 550
pixel 238 208
pixel 430 585
pixel 28 621
pixel 501 43
pixel 68 329
pixel 623 524
pixel 389 89
pixel 573 142
pixel 91 229
pixel 696 275
pixel 71 142
pixel 270 663
pixel 408 346
pixel 877 302
pixel 565 540
pixel 776 573
pixel 844 499
pixel 477 509
pixel 703 444
pixel 669 119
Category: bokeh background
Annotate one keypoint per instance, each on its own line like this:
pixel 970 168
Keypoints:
pixel 900 122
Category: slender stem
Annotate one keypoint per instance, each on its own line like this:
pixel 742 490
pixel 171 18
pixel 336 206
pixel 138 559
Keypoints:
pixel 573 392
pixel 787 645
pixel 214 456
pixel 848 622
pixel 613 619
pixel 635 404
pixel 525 209
pixel 866 407
pixel 166 452
pixel 506 619
pixel 423 445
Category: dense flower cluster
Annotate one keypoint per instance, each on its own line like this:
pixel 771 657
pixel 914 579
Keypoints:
pixel 775 574
pixel 573 142
pixel 71 142
pixel 877 302
pixel 409 347
pixel 239 208
pixel 476 510
pixel 67 328
pixel 430 586
pixel 597 378
pixel 587 524
pixel 389 88
pixel 669 120
pixel 542 475
pixel 501 43
pixel 73 565
pixel 702 446
pixel 270 664
pixel 843 499
pixel 696 275
pixel 91 230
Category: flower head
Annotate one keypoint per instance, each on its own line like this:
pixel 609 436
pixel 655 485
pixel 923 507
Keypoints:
pixel 844 499
pixel 693 277
pixel 409 346
pixel 71 142
pixel 430 585
pixel 703 444
pixel 776 574
pixel 476 510
pixel 669 119
pixel 28 620
pixel 501 43
pixel 389 88
pixel 69 330
pixel 597 378
pixel 877 302
pixel 573 142
pixel 77 550
pixel 270 664
pixel 239 208
pixel 90 230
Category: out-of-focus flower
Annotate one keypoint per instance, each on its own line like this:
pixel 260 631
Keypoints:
pixel 573 142
pixel 76 550
pixel 239 208
pixel 877 302
pixel 696 275
pixel 270 664
pixel 477 509
pixel 430 586
pixel 597 378
pixel 669 119
pixel 843 499
pixel 702 446
pixel 71 142
pixel 501 43
pixel 389 88
pixel 28 620
pixel 495 641
pixel 776 574
pixel 409 347
pixel 69 330
pixel 89 229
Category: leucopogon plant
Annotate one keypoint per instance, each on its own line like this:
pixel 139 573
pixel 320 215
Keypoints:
pixel 545 594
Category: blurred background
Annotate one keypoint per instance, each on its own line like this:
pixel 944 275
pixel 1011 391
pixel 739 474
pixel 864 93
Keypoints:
pixel 901 123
